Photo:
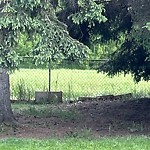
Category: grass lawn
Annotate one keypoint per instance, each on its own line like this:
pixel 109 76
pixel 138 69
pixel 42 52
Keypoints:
pixel 74 83
pixel 126 143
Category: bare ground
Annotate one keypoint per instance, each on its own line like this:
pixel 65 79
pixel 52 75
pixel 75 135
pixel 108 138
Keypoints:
pixel 94 118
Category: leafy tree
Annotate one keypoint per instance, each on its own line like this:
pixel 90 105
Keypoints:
pixel 97 32
pixel 133 56
pixel 37 20
pixel 80 16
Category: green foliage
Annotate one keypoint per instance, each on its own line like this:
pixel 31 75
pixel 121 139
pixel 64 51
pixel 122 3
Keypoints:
pixel 89 11
pixel 133 57
pixel 24 46
pixel 21 91
pixel 103 50
pixel 34 18
pixel 103 37
pixel 147 25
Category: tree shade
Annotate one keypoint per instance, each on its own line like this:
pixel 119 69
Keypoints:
pixel 134 54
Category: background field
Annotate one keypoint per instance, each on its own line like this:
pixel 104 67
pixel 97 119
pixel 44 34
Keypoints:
pixel 73 83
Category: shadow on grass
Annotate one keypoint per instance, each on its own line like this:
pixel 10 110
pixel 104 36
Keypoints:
pixel 45 111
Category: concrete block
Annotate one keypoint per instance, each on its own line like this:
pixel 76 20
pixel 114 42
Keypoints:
pixel 48 97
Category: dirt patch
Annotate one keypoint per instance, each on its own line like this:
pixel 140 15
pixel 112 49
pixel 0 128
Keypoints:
pixel 92 118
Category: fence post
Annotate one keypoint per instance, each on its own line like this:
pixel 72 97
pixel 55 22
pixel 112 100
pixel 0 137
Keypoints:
pixel 1 70
pixel 49 76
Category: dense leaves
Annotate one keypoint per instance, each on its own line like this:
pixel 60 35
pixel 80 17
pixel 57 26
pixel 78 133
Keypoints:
pixel 80 16
pixel 134 54
pixel 37 20
pixel 89 11
pixel 123 30
pixel 132 57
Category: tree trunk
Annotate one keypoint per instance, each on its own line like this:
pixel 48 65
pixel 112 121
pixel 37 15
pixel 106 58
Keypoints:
pixel 6 114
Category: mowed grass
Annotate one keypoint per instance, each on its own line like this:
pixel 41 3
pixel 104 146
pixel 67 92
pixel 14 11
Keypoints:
pixel 128 143
pixel 75 83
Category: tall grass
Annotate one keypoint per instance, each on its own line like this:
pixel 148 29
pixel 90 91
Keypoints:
pixel 74 83
pixel 128 143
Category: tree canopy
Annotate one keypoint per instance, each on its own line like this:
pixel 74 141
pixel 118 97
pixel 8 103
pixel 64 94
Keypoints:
pixel 133 56
pixel 54 25
pixel 37 19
